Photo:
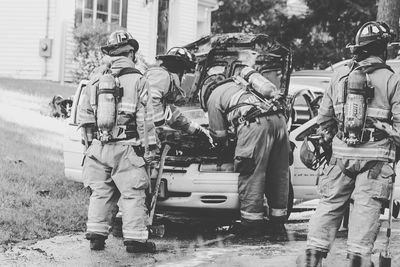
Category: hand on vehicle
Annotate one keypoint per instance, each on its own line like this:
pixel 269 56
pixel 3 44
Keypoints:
pixel 204 135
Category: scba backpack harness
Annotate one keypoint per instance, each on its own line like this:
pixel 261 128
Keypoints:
pixel 358 93
pixel 105 95
pixel 264 106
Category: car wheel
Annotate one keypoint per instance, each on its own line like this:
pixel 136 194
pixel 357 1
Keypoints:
pixel 290 200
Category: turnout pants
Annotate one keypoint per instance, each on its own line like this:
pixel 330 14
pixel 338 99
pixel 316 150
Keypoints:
pixel 368 183
pixel 110 168
pixel 262 160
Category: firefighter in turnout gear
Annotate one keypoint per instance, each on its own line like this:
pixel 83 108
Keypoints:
pixel 113 111
pixel 361 165
pixel 165 86
pixel 262 150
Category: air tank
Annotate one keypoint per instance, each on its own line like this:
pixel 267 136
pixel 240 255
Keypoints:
pixel 355 107
pixel 106 105
pixel 259 83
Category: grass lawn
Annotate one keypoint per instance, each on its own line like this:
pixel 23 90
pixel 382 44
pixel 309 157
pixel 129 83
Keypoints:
pixel 40 88
pixel 36 201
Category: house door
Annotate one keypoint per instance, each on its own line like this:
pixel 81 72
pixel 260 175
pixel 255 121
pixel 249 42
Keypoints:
pixel 162 28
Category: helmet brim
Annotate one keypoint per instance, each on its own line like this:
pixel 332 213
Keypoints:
pixel 107 48
pixel 187 65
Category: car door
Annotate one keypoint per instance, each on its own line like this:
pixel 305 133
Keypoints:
pixel 73 149
pixel 304 180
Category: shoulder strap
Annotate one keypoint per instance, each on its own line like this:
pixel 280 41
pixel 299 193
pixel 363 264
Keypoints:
pixel 214 86
pixel 128 71
pixel 375 66
pixel 242 104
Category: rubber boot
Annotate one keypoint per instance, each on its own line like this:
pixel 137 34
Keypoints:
pixel 276 228
pixel 277 231
pixel 96 241
pixel 137 247
pixel 311 258
pixel 116 229
pixel 357 260
pixel 248 228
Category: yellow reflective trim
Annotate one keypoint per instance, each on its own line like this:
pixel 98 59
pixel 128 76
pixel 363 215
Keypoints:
pixel 252 216
pixel 378 113
pixel 278 212
pixel 380 150
pixel 136 234
pixel 98 227
pixel 127 107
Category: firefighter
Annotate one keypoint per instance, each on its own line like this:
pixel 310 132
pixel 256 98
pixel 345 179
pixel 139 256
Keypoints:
pixel 165 86
pixel 164 82
pixel 262 152
pixel 361 165
pixel 113 111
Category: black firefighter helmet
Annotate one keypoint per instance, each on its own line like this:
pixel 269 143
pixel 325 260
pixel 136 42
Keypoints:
pixel 179 55
pixel 119 42
pixel 372 33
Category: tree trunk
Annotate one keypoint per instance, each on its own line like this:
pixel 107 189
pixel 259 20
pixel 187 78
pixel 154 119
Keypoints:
pixel 389 12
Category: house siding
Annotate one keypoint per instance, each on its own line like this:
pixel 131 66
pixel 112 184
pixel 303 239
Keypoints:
pixel 23 24
pixel 69 45
pixel 142 24
pixel 183 22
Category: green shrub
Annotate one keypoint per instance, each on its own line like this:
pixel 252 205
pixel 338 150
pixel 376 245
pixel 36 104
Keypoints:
pixel 89 37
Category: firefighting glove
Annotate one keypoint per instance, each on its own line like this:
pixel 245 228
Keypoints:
pixel 204 135
pixel 220 151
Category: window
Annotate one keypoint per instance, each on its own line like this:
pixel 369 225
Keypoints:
pixel 111 11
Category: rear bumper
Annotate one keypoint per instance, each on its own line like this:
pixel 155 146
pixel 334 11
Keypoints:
pixel 193 189
pixel 198 200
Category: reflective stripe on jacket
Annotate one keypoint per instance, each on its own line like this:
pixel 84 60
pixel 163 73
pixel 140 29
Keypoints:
pixel 160 82
pixel 384 106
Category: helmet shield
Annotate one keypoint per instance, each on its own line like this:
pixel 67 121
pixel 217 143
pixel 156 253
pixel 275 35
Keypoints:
pixel 312 154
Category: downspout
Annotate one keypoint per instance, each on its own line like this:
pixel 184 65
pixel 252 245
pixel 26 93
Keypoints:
pixel 47 35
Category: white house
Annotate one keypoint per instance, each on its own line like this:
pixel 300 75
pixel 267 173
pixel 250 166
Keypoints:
pixel 37 35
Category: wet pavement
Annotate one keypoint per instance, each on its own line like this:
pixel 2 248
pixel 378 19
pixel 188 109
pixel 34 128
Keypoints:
pixel 190 247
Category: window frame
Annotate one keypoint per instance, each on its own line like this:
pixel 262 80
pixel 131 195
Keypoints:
pixel 110 14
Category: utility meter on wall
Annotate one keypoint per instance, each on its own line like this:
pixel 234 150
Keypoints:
pixel 45 47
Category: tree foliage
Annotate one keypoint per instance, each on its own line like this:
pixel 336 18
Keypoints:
pixel 89 37
pixel 257 16
pixel 317 38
